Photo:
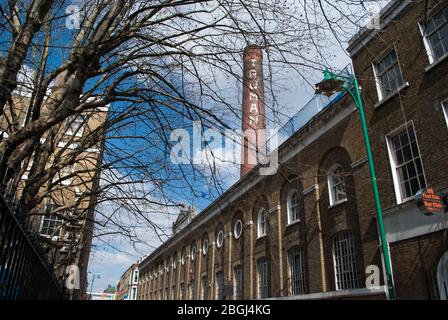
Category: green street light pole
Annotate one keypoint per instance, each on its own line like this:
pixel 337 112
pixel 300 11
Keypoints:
pixel 95 276
pixel 333 83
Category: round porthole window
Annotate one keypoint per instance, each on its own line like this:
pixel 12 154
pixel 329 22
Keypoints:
pixel 193 253
pixel 174 262
pixel 205 247
pixel 183 259
pixel 220 239
pixel 238 229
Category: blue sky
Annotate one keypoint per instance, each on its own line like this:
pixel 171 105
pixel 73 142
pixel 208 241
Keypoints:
pixel 112 262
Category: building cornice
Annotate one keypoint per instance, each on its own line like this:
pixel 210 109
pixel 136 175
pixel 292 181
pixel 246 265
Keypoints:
pixel 387 15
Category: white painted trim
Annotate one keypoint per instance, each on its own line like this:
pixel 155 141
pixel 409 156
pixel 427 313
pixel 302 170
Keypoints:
pixel 358 162
pixel 330 185
pixel 289 219
pixel 445 110
pixel 437 62
pixel 310 189
pixel 379 93
pixel 234 229
pixel 274 209
pixel 259 233
pixel 427 45
pixel 337 203
pixel 293 223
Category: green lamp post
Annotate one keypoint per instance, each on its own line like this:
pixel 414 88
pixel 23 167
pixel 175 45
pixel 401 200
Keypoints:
pixel 331 84
pixel 94 276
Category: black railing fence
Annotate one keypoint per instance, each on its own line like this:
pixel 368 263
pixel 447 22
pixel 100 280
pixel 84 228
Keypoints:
pixel 24 274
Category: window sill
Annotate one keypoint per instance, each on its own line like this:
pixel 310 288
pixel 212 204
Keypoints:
pixel 405 200
pixel 392 95
pixel 437 62
pixel 261 237
pixel 293 223
pixel 337 203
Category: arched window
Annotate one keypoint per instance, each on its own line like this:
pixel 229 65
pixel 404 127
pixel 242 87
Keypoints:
pixel 292 206
pixel 261 223
pixel 336 185
pixel 442 277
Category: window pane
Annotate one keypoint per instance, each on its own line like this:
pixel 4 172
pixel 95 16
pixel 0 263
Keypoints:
pixel 238 283
pixel 437 32
pixel 296 270
pixel 408 166
pixel 263 283
pixel 346 274
pixel 389 74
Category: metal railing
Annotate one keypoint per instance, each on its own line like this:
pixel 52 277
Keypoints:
pixel 24 275
pixel 305 114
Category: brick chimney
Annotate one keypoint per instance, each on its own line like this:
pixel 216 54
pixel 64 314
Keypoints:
pixel 254 121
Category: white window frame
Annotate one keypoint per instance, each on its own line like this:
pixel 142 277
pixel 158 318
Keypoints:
pixel 445 110
pixel 290 207
pixel 237 234
pixel 397 185
pixel 135 274
pixel 428 47
pixel 238 282
pixel 345 279
pixel 378 84
pixel 262 230
pixel 78 132
pixel 330 182
pixel 48 216
pixel 65 171
pixel 263 278
pixel 134 293
pixel 193 253
pixel 183 258
pixel 220 239
pixel 205 247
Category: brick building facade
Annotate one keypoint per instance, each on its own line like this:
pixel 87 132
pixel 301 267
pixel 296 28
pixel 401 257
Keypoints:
pixel 415 46
pixel 309 231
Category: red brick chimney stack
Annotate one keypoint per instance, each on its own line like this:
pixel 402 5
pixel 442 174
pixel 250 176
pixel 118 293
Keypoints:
pixel 254 121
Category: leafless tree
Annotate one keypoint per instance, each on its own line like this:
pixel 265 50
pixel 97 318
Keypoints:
pixel 158 65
